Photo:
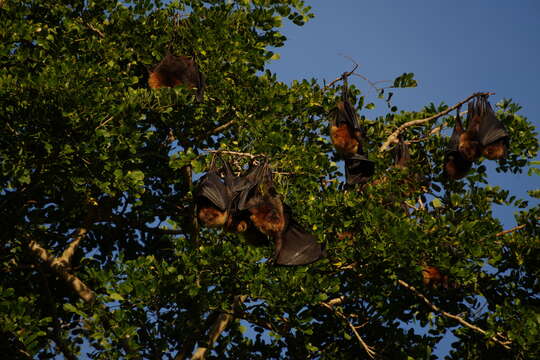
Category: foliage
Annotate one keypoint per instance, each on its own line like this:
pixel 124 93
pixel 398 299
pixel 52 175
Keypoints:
pixel 87 145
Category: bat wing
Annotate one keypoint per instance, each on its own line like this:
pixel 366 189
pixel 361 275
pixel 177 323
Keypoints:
pixel 358 169
pixel 298 246
pixel 491 128
pixel 246 185
pixel 212 188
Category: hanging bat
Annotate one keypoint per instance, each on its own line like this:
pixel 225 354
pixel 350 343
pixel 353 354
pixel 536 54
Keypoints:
pixel 492 133
pixel 177 70
pixel 469 143
pixel 402 156
pixel 432 277
pixel 346 135
pixel 456 165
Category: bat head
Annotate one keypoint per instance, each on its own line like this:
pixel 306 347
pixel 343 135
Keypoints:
pixel 469 146
pixel 455 166
pixel 343 140
pixel 495 150
pixel 210 215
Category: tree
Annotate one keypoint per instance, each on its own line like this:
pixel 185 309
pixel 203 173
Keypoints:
pixel 101 253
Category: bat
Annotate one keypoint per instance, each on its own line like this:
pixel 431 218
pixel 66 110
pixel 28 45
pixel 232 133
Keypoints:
pixel 432 277
pixel 456 165
pixel 346 136
pixel 177 70
pixel 469 143
pixel 264 214
pixel 402 156
pixel 492 133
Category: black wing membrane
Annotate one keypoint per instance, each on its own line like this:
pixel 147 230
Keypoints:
pixel 491 128
pixel 452 155
pixel 358 169
pixel 297 246
pixel 212 188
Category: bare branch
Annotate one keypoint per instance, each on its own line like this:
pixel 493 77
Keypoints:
pixel 236 153
pixel 219 326
pixel 343 76
pixel 369 350
pixel 96 30
pixel 504 343
pixel 393 138
pixel 519 227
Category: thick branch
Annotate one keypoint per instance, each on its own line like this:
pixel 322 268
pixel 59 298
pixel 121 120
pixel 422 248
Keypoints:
pixel 451 316
pixel 219 326
pixel 393 138
pixel 57 266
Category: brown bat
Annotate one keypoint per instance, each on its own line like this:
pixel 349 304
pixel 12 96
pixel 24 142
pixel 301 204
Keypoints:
pixel 492 133
pixel 347 137
pixel 177 70
pixel 456 165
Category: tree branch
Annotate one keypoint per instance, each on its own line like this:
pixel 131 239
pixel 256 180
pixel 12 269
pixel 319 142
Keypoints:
pixel 457 318
pixel 219 326
pixel 236 153
pixel 369 350
pixel 393 138
pixel 58 267
pixel 344 75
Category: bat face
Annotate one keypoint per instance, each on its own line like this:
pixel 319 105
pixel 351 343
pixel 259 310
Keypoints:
pixel 469 146
pixel 212 217
pixel 496 150
pixel 268 215
pixel 432 277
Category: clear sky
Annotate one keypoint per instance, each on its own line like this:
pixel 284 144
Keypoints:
pixel 455 48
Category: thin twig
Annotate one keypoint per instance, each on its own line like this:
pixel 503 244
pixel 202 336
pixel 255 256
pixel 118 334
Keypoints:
pixel 236 153
pixel 369 350
pixel 459 319
pixel 104 122
pixel 93 28
pixel 393 138
pixel 343 76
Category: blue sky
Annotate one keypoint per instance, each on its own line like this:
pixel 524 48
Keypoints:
pixel 454 50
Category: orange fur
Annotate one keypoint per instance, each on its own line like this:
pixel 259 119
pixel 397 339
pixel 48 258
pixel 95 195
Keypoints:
pixel 432 277
pixel 212 217
pixel 343 140
pixel 268 217
pixel 494 151
pixel 469 146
